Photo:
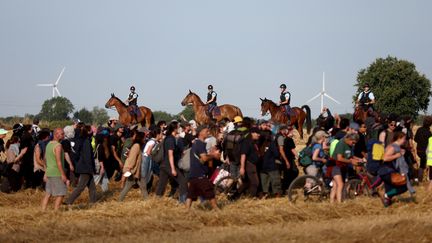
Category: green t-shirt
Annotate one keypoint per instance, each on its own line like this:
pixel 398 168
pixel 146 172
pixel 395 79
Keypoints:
pixel 52 169
pixel 344 149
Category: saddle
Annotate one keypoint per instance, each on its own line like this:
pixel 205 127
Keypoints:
pixel 134 111
pixel 215 111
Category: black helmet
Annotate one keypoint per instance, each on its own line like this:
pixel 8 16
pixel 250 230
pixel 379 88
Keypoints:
pixel 132 88
pixel 210 86
pixel 282 86
pixel 366 85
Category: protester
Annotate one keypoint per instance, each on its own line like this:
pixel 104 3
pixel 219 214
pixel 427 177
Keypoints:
pixel 169 166
pixel 343 156
pixel 248 162
pixel 85 167
pixel 199 184
pixel 132 167
pixel 55 177
pixel 392 152
pixel 39 155
pixel 421 138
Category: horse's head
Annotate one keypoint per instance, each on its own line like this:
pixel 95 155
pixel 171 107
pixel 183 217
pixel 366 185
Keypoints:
pixel 111 101
pixel 189 99
pixel 265 106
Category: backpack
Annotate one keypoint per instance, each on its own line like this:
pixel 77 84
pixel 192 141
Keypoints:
pixel 184 162
pixel 375 155
pixel 157 152
pixel 232 146
pixel 305 156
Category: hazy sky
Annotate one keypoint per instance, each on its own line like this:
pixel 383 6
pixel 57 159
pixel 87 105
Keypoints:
pixel 246 49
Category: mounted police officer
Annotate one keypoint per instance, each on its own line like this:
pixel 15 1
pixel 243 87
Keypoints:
pixel 211 100
pixel 366 98
pixel 285 99
pixel 132 102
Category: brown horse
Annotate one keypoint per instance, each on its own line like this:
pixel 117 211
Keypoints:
pixel 279 116
pixel 145 117
pixel 361 113
pixel 200 109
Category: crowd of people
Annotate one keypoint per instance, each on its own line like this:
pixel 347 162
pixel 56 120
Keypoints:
pixel 263 154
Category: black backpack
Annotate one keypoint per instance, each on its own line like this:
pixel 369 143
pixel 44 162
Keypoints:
pixel 158 151
pixel 232 145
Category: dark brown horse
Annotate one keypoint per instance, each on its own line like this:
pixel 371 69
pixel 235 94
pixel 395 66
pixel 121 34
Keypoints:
pixel 297 119
pixel 200 109
pixel 145 117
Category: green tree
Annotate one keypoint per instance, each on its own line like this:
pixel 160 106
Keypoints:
pixel 56 109
pixel 84 115
pixel 100 115
pixel 163 116
pixel 188 113
pixel 398 87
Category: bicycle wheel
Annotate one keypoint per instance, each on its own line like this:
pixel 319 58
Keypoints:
pixel 306 188
pixel 225 186
pixel 355 188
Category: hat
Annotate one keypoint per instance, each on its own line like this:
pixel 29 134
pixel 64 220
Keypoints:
pixel 254 130
pixel 355 126
pixel 76 120
pixel 193 123
pixel 117 127
pixel 3 131
pixel 200 128
pixel 238 119
pixel 113 119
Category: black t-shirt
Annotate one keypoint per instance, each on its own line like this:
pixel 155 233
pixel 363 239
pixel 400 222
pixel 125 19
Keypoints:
pixel 2 147
pixel 270 156
pixel 188 140
pixel 289 146
pixel 170 143
pixel 340 134
pixel 360 146
pixel 116 142
pixel 27 142
pixel 250 149
pixel 197 169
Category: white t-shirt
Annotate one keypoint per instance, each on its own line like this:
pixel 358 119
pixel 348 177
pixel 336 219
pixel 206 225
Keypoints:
pixel 287 96
pixel 151 142
pixel 210 143
pixel 371 96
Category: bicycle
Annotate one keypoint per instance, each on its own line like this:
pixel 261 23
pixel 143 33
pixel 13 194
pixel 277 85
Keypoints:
pixel 364 184
pixel 309 188
pixel 225 185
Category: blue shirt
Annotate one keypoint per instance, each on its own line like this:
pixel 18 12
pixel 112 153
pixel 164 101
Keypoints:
pixel 197 169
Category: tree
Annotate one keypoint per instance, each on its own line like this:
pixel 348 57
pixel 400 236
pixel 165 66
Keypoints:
pixel 398 87
pixel 100 115
pixel 56 109
pixel 163 116
pixel 84 115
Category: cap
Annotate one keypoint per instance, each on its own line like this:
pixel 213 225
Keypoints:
pixel 238 119
pixel 113 119
pixel 76 120
pixel 3 131
pixel 254 130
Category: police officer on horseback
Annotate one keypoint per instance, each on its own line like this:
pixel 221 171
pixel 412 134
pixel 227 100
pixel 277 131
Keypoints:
pixel 211 100
pixel 132 102
pixel 285 99
pixel 366 98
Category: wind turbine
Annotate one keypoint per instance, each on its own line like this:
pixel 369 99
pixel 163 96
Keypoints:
pixel 322 94
pixel 54 85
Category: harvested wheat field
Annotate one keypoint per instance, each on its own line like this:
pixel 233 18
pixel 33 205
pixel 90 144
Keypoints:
pixel 164 220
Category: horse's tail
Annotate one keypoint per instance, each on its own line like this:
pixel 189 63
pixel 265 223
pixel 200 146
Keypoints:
pixel 308 118
pixel 152 119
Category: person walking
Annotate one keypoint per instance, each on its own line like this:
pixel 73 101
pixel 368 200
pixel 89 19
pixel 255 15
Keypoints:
pixel 55 177
pixel 132 167
pixel 85 168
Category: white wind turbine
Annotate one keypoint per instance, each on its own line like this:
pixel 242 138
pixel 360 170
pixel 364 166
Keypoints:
pixel 54 85
pixel 322 94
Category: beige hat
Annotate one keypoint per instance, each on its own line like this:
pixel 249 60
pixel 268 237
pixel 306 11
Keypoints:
pixel 3 131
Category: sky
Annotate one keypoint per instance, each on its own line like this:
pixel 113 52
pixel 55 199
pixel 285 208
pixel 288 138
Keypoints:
pixel 244 48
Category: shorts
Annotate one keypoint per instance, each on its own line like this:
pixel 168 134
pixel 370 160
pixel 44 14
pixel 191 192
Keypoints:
pixel 55 187
pixel 200 187
pixel 336 171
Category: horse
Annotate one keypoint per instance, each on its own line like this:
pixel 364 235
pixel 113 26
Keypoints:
pixel 145 115
pixel 360 114
pixel 279 116
pixel 200 109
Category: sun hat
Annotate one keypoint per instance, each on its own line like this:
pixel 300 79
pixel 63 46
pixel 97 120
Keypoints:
pixel 3 131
